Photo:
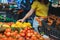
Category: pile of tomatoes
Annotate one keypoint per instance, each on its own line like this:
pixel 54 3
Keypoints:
pixel 26 34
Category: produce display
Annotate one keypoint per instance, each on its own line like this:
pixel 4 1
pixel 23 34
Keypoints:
pixel 25 34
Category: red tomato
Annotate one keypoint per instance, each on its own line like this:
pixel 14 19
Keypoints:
pixel 22 34
pixel 41 38
pixel 9 38
pixel 28 31
pixel 0 35
pixel 21 38
pixel 31 39
pixel 35 33
pixel 4 38
pixel 34 37
pixel 4 32
pixel 38 36
pixel 28 28
pixel 24 31
pixel 27 38
pixel 32 31
pixel 8 34
pixel 17 36
pixel 21 31
pixel 14 33
pixel 8 30
pixel 9 24
pixel 28 34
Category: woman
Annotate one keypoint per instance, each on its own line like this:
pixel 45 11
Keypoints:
pixel 40 7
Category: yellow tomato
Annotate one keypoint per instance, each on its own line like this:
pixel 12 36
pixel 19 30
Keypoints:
pixel 24 26
pixel 19 25
pixel 13 25
pixel 5 25
pixel 18 22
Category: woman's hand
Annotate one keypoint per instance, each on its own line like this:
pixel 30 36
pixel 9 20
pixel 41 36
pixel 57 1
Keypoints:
pixel 27 15
pixel 21 20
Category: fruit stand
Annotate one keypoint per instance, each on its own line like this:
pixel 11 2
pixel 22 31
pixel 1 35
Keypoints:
pixel 11 29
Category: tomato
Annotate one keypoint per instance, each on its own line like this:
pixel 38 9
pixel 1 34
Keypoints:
pixel 14 34
pixel 27 38
pixel 0 35
pixel 8 30
pixel 28 34
pixel 16 31
pixel 38 36
pixel 4 38
pixel 7 34
pixel 22 34
pixel 41 38
pixel 28 31
pixel 28 28
pixel 24 31
pixel 21 38
pixel 17 36
pixel 9 24
pixel 34 38
pixel 35 33
pixel 32 31
pixel 9 38
pixel 21 31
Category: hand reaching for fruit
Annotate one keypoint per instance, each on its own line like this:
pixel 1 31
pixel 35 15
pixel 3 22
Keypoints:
pixel 21 20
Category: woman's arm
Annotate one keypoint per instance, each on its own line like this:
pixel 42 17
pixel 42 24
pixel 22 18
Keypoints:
pixel 29 14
